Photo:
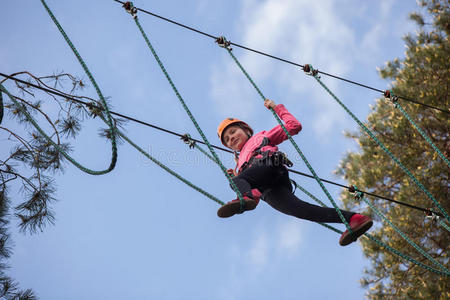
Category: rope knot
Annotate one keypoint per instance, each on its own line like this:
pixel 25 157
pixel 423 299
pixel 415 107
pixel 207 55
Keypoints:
pixel 186 138
pixel 309 70
pixel 223 42
pixel 129 7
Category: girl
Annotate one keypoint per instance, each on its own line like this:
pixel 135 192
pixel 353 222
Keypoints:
pixel 262 174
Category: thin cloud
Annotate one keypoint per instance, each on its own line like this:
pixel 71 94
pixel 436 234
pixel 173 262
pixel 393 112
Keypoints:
pixel 321 33
pixel 290 237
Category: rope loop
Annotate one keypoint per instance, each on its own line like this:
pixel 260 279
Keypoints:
pixel 130 8
pixel 186 138
pixel 224 43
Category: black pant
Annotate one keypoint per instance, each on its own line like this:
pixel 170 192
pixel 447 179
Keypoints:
pixel 273 181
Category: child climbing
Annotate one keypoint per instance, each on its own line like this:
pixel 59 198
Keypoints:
pixel 262 173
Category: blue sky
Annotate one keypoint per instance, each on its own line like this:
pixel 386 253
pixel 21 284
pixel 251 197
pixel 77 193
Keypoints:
pixel 139 233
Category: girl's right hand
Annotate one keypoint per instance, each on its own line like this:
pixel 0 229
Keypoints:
pixel 269 104
pixel 231 172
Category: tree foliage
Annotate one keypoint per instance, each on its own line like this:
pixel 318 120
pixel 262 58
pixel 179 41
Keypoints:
pixel 32 162
pixel 422 75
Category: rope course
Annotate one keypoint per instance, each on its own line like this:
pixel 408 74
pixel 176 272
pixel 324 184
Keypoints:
pixel 106 117
pixel 309 70
pixel 136 9
pixel 191 141
pixel 222 42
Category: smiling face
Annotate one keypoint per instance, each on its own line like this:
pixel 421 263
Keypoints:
pixel 235 137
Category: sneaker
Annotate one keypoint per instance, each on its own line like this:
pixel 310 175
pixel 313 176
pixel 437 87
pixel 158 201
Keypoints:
pixel 234 207
pixel 359 225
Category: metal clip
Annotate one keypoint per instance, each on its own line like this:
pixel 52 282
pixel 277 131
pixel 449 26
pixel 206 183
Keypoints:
pixel 430 214
pixel 129 7
pixel 223 42
pixel 389 94
pixel 356 193
pixel 186 138
pixel 309 70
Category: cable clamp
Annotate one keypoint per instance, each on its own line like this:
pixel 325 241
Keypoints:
pixel 389 94
pixel 356 193
pixel 224 43
pixel 309 70
pixel 431 214
pixel 129 7
pixel 186 138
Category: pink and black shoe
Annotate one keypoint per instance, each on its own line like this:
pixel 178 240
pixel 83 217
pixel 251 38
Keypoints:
pixel 234 207
pixel 359 224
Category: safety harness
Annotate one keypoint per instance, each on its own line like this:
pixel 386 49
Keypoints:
pixel 277 158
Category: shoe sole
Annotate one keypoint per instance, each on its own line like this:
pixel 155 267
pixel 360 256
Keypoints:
pixel 357 232
pixel 230 209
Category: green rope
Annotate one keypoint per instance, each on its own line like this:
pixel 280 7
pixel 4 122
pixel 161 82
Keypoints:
pixel 377 241
pixel 109 118
pixel 226 46
pixel 442 223
pixel 39 129
pixel 420 130
pixel 314 73
pixel 163 69
pixel 359 195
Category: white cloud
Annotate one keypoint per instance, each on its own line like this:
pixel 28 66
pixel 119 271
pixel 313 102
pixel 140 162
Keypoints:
pixel 325 33
pixel 258 252
pixel 281 242
pixel 302 31
pixel 290 236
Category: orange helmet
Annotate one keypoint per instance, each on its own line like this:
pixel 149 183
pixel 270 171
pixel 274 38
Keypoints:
pixel 230 121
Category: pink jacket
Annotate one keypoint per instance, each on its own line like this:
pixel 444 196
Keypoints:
pixel 276 136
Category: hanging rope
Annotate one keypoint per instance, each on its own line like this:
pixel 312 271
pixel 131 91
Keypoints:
pixel 133 11
pixel 109 122
pixel 394 99
pixel 377 241
pixel 311 71
pixel 222 42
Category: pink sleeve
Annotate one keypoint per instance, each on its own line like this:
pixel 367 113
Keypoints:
pixel 277 135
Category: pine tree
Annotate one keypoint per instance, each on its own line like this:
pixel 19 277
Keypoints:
pixel 422 75
pixel 32 162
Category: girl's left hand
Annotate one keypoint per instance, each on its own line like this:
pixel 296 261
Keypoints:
pixel 269 104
